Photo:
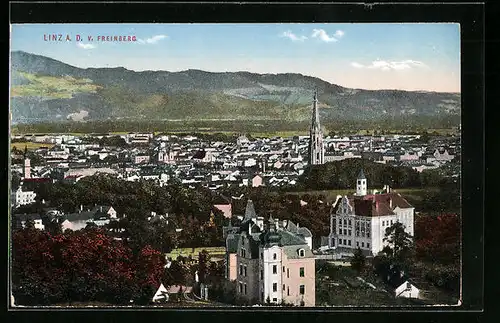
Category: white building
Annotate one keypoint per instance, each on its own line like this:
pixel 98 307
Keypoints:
pixel 360 220
pixel 21 197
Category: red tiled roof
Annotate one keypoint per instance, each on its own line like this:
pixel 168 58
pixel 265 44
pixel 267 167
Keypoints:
pixel 377 204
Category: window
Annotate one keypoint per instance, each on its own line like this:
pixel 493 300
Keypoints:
pixel 357 243
pixel 340 222
pixel 345 232
pixel 362 244
pixel 345 243
pixel 262 255
pixel 275 287
pixel 275 269
pixel 283 286
pixel 245 271
pixel 359 182
pixel 408 286
pixel 368 234
pixel 391 222
pixel 301 272
pixel 288 291
pixel 288 273
pixel 340 241
pixel 350 223
pixel 301 252
pixel 349 232
pixel 241 287
pixel 368 245
pixel 241 269
pixel 302 289
pixel 262 296
pixel 245 289
pixel 274 256
pixel 345 222
pixel 261 274
pixel 349 242
pixel 383 223
pixel 283 268
pixel 275 300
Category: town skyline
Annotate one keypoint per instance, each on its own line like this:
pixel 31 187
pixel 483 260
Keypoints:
pixel 417 57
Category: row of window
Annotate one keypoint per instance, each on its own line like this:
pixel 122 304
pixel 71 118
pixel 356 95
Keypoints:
pixel 302 289
pixel 348 243
pixel 386 223
pixel 349 233
pixel 275 271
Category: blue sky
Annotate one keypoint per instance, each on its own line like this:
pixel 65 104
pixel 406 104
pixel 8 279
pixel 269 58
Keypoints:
pixel 369 56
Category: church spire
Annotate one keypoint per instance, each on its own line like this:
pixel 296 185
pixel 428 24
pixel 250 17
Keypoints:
pixel 315 116
pixel 316 148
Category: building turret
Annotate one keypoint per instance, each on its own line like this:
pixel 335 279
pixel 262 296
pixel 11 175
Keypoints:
pixel 361 186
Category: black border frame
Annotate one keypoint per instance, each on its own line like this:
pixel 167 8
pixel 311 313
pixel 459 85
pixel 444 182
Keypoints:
pixel 471 17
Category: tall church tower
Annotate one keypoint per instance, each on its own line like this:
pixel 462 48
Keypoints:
pixel 316 148
pixel 27 164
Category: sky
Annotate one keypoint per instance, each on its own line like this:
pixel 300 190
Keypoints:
pixel 414 57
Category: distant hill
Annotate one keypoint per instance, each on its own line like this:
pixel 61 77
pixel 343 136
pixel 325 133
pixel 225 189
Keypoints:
pixel 44 89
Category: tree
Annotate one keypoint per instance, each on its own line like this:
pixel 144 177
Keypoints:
pixel 358 260
pixel 399 246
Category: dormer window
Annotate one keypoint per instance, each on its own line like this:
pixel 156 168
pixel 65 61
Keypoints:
pixel 302 253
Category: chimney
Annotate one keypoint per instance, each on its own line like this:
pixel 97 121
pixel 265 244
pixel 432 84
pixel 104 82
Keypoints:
pixel 390 203
pixel 81 207
pixel 276 221
pixel 250 227
pixel 100 208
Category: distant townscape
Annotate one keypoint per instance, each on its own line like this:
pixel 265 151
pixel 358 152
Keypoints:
pixel 212 220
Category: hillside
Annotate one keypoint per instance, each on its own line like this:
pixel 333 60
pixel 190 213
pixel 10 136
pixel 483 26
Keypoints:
pixel 44 89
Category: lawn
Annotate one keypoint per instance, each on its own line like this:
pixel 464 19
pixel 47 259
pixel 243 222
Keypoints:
pixel 30 145
pixel 194 252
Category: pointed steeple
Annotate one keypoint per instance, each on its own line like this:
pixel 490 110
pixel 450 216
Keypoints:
pixel 315 115
pixel 316 148
pixel 250 211
pixel 361 174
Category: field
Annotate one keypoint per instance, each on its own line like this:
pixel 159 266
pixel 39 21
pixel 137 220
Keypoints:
pixel 52 87
pixel 194 252
pixel 30 145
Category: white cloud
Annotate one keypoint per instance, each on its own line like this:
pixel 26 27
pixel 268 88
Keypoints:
pixel 292 36
pixel 339 34
pixel 322 34
pixel 85 46
pixel 390 65
pixel 152 40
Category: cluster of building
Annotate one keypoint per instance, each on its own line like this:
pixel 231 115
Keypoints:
pixel 271 260
pixel 215 164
